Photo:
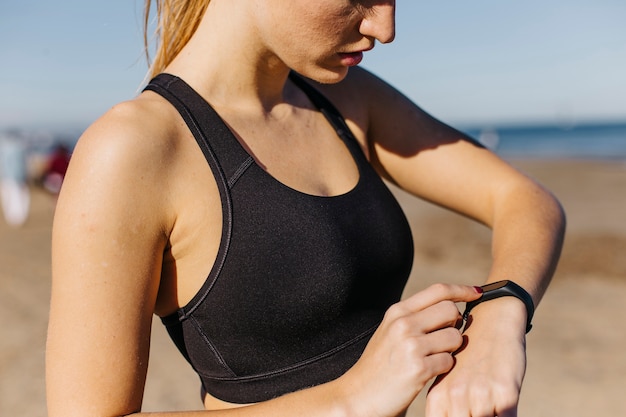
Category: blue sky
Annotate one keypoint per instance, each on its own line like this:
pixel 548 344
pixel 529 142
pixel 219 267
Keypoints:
pixel 62 64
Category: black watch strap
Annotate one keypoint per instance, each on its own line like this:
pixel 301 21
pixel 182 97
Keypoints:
pixel 504 289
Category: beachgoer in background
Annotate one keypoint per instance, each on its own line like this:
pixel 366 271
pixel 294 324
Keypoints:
pixel 259 229
pixel 14 190
pixel 54 173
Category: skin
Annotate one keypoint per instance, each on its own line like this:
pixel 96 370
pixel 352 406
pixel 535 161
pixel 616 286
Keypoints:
pixel 138 221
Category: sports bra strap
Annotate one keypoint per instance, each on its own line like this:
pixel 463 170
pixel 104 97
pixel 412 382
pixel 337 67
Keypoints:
pixel 204 123
pixel 213 136
pixel 328 109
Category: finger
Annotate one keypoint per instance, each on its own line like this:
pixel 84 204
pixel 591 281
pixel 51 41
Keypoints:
pixel 484 407
pixel 468 399
pixel 508 412
pixel 438 364
pixel 441 315
pixel 440 292
pixel 481 404
pixel 441 401
pixel 446 340
pixel 507 401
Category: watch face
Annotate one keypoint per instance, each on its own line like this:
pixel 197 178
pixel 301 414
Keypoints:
pixel 494 285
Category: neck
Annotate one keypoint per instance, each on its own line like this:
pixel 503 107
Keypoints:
pixel 228 64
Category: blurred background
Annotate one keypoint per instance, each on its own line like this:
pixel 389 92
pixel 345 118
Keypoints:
pixel 479 65
pixel 542 83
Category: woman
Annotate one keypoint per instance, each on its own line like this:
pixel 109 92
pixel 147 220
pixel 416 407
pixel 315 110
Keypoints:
pixel 258 229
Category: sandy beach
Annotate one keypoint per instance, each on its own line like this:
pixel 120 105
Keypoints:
pixel 576 359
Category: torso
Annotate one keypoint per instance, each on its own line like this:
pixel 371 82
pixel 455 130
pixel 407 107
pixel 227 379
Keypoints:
pixel 323 167
pixel 194 239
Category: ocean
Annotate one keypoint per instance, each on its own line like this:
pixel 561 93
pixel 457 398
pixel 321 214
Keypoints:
pixel 535 141
pixel 583 141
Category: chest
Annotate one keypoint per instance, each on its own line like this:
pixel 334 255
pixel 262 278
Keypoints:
pixel 296 275
pixel 310 163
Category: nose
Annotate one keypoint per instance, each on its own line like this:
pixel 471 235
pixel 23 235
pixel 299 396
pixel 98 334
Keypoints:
pixel 379 21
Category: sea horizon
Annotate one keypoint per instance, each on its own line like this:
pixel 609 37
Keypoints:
pixel 593 139
pixel 588 140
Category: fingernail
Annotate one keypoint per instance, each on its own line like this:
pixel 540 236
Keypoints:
pixel 479 290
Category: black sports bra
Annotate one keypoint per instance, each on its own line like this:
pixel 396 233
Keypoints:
pixel 300 282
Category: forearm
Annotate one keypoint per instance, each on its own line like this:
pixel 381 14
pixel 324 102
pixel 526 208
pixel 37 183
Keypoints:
pixel 528 231
pixel 528 227
pixel 321 401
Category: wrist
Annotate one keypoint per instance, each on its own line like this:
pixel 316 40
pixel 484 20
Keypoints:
pixel 505 315
pixel 504 289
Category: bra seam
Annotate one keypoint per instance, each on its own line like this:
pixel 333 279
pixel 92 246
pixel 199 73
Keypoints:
pixel 297 365
pixel 240 171
pixel 210 345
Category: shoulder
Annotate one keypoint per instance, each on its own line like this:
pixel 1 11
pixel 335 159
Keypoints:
pixel 141 137
pixel 136 131
pixel 126 159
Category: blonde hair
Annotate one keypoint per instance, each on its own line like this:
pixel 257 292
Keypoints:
pixel 176 22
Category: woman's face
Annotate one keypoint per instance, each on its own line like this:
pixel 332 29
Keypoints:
pixel 321 39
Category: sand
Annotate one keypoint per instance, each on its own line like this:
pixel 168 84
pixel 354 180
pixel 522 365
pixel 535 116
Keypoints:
pixel 576 351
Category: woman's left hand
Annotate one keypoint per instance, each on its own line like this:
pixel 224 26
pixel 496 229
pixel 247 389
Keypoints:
pixel 487 377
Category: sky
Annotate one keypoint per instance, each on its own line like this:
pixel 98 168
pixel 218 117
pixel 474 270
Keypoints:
pixel 467 62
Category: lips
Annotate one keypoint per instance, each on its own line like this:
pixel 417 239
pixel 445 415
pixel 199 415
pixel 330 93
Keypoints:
pixel 351 59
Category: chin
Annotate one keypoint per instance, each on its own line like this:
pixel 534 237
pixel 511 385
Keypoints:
pixel 324 75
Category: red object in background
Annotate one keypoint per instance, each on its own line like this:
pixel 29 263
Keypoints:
pixel 57 167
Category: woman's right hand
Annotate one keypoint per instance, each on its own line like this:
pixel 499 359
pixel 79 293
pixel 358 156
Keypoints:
pixel 413 344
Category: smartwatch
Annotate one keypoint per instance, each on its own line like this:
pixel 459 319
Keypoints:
pixel 504 289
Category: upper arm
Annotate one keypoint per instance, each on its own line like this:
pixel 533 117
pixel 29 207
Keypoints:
pixel 430 159
pixel 108 238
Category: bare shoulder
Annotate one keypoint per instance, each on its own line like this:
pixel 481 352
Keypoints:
pixel 136 139
pixel 140 131
pixel 126 160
